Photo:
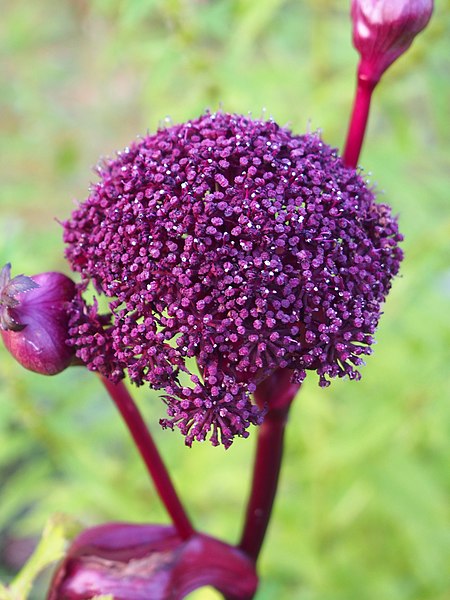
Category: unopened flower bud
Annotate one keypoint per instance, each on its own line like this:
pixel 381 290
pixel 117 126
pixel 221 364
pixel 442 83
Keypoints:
pixel 143 562
pixel 34 319
pixel 384 29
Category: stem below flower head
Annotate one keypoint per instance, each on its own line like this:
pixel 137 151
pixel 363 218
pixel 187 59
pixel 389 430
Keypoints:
pixel 358 121
pixel 278 392
pixel 150 455
pixel 267 466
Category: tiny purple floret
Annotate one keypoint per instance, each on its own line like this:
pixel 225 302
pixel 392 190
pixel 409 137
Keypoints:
pixel 235 243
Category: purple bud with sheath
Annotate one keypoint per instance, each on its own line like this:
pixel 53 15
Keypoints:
pixel 143 562
pixel 384 29
pixel 34 319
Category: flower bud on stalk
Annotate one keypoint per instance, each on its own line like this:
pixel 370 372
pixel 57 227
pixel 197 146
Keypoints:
pixel 384 29
pixel 34 319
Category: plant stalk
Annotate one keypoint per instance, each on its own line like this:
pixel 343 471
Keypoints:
pixel 277 392
pixel 150 455
pixel 358 120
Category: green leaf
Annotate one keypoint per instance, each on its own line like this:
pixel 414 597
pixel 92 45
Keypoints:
pixel 58 530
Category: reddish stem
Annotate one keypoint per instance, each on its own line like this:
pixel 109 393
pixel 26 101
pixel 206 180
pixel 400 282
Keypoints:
pixel 150 455
pixel 269 453
pixel 358 121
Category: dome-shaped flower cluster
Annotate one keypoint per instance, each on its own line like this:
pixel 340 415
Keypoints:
pixel 236 243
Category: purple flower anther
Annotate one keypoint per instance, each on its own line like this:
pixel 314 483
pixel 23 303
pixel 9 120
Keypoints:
pixel 384 29
pixel 34 319
pixel 235 243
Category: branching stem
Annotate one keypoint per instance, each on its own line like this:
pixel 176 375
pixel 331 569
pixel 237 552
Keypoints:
pixel 150 455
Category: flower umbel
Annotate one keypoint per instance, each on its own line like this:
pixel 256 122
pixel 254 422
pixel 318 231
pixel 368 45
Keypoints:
pixel 234 242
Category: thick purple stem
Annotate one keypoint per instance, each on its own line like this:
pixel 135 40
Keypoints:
pixel 269 453
pixel 150 455
pixel 277 392
pixel 358 121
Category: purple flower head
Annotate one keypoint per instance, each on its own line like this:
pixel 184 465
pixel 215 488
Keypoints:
pixel 235 243
pixel 150 562
pixel 34 319
pixel 384 29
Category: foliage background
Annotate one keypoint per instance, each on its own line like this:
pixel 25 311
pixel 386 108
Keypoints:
pixel 362 506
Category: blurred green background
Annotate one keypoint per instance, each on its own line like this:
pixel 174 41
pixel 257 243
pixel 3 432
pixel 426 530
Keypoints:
pixel 361 512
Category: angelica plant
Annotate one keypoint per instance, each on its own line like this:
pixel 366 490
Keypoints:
pixel 234 258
